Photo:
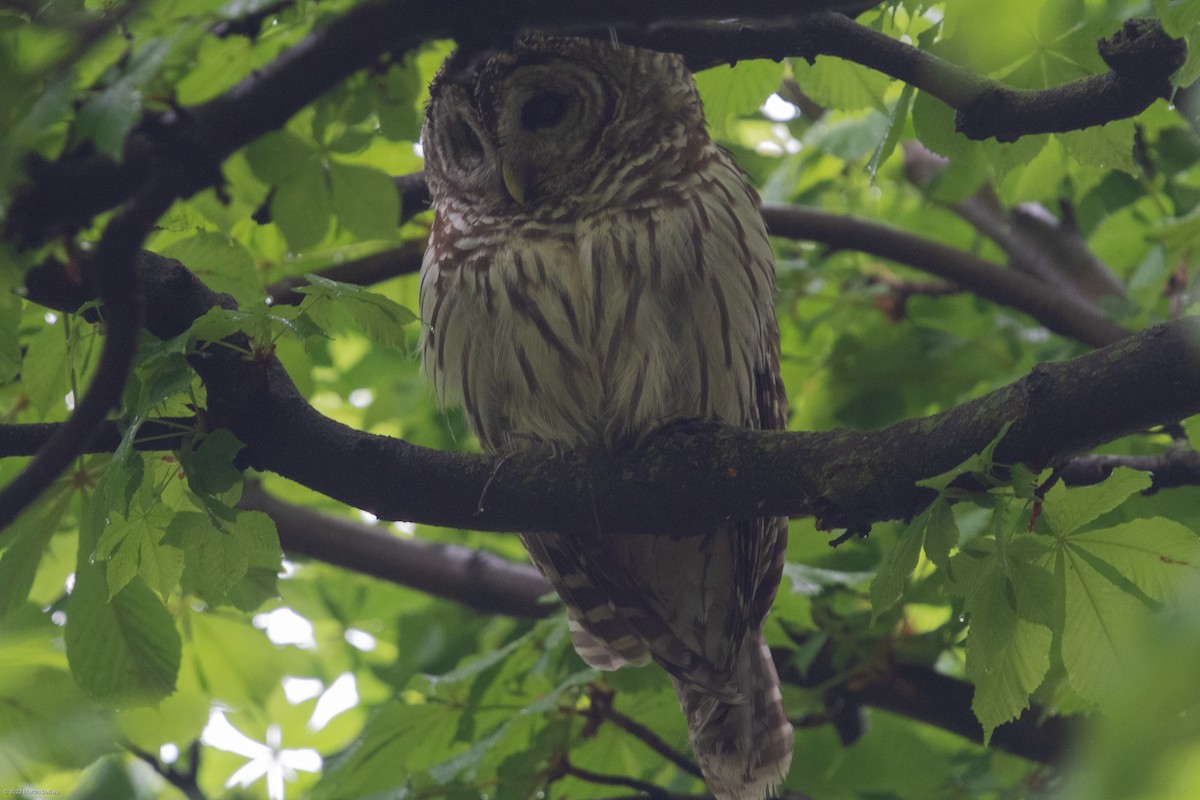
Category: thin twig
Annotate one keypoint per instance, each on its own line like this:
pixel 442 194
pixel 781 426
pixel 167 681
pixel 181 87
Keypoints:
pixel 653 741
pixel 602 709
pixel 184 781
pixel 616 780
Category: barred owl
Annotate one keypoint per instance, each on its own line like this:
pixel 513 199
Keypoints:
pixel 596 269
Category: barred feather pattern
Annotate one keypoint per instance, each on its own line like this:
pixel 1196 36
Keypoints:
pixel 629 284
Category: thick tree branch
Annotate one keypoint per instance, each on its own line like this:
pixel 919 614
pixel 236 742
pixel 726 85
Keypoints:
pixel 690 475
pixel 1141 59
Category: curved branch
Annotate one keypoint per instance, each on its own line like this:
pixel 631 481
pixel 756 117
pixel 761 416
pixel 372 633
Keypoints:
pixel 484 581
pixel 1179 465
pixel 113 279
pixel 1036 242
pixel 1141 59
pixel 687 477
pixel 1059 312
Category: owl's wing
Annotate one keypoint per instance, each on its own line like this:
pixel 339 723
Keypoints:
pixel 613 621
pixel 602 639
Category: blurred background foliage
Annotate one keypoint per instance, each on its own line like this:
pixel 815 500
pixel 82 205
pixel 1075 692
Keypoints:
pixel 153 644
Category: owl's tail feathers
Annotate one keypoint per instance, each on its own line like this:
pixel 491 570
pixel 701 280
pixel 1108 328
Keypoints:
pixel 744 749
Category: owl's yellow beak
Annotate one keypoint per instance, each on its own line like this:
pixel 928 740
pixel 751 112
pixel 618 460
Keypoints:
pixel 515 181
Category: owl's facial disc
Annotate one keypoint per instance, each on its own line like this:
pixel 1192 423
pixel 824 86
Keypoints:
pixel 548 125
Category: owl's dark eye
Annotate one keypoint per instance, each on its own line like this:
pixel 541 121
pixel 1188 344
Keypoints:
pixel 544 110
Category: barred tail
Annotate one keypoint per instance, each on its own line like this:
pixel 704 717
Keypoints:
pixel 744 749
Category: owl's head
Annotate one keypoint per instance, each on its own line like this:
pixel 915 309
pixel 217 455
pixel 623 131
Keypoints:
pixel 556 123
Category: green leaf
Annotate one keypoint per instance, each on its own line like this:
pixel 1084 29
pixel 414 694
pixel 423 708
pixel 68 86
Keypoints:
pixel 366 201
pixel 279 155
pixel 979 465
pixel 470 758
pixel 935 530
pixel 1158 556
pixel 1006 157
pixel 812 581
pixel 10 320
pixel 125 650
pixel 1111 579
pixel 107 117
pixel 209 466
pixel 1068 509
pixel 380 318
pixel 218 557
pixel 243 682
pixel 47 385
pixel 218 323
pixel 261 325
pixel 178 718
pixel 1008 647
pixel 836 83
pixel 941 533
pixel 220 63
pixel 731 92
pixel 1180 235
pixel 1178 16
pixel 848 139
pixel 1108 146
pixel 897 119
pixel 28 537
pixel 133 546
pixel 256 532
pixel 1100 619
pixel 302 208
pixel 399 119
pixel 393 735
pixel 45 719
pixel 223 263
pixel 159 375
pixel 933 122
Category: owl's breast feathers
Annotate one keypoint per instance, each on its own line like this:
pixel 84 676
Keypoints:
pixel 594 330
